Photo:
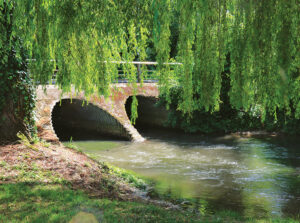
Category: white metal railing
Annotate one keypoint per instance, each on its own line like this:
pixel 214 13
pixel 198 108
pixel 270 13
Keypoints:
pixel 150 73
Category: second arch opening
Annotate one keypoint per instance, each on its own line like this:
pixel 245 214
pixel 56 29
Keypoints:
pixel 152 117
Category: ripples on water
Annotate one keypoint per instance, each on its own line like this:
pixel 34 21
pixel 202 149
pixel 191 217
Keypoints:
pixel 253 176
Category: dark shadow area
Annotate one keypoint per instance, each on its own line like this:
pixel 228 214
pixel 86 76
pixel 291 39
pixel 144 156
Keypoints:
pixel 85 122
pixel 149 113
pixel 286 148
pixel 152 118
pixel 152 122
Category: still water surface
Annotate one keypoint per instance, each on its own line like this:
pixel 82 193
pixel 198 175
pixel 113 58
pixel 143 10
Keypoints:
pixel 256 177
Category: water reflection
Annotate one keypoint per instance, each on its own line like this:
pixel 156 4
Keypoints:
pixel 256 177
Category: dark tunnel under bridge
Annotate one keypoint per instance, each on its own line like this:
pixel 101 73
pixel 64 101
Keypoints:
pixel 71 119
pixel 85 122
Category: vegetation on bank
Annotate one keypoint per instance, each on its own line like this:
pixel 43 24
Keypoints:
pixel 228 119
pixel 17 94
pixel 127 175
pixel 58 203
pixel 31 202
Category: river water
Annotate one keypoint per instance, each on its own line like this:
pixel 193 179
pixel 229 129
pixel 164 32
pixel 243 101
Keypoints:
pixel 257 177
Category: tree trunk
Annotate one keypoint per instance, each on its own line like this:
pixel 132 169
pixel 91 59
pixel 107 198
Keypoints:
pixel 11 124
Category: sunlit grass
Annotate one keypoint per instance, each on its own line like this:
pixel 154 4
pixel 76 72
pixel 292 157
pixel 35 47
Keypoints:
pixel 30 202
pixel 55 203
pixel 129 176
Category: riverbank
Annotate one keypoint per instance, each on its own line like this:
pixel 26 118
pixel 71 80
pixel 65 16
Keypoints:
pixel 42 182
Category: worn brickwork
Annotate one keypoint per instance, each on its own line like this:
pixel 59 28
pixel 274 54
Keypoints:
pixel 114 105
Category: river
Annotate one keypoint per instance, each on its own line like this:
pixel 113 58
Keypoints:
pixel 257 177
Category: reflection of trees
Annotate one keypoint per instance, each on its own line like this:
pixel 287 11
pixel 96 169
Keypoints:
pixel 263 187
pixel 271 178
pixel 256 187
pixel 286 149
pixel 292 207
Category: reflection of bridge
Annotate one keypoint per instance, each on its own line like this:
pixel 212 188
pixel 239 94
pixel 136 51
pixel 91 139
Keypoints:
pixel 114 106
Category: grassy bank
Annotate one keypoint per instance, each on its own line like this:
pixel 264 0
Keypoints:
pixel 31 202
pixel 25 202
pixel 43 182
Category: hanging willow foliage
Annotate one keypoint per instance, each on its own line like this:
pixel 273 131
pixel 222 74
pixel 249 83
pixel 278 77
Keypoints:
pixel 82 38
pixel 161 39
pixel 263 53
pixel 210 52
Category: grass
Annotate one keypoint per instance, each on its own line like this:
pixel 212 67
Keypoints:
pixel 3 164
pixel 26 141
pixel 128 176
pixel 55 203
pixel 31 202
pixel 71 145
pixel 31 142
pixel 29 173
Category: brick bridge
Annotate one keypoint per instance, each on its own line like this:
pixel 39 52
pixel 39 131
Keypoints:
pixel 113 106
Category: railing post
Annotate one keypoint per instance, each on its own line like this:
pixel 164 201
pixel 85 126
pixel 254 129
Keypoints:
pixel 138 67
pixel 139 71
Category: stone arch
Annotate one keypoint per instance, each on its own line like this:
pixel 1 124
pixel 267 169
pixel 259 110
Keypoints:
pixel 70 118
pixel 49 95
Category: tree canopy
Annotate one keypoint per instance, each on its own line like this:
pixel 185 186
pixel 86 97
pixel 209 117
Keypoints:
pixel 81 38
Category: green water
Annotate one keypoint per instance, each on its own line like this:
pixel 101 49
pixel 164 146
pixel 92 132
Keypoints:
pixel 256 177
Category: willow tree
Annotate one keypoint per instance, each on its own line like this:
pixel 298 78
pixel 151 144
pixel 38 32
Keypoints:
pixel 81 38
pixel 16 91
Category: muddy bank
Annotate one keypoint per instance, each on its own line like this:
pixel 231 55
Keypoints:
pixel 55 163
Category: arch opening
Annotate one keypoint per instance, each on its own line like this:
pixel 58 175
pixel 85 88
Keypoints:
pixel 152 118
pixel 72 119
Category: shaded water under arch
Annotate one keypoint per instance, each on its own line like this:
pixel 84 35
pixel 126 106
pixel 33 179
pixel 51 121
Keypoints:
pixel 85 122
pixel 151 115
